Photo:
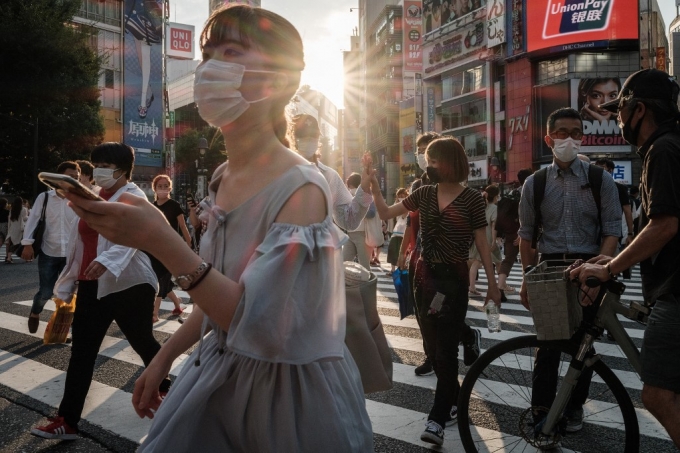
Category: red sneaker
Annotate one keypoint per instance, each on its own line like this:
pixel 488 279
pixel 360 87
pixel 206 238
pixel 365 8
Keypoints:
pixel 58 429
pixel 177 311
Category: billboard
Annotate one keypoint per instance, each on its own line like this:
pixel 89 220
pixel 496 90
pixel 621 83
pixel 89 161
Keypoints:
pixel 562 25
pixel 179 42
pixel 143 80
pixel 601 132
pixel 437 13
pixel 466 41
pixel 413 35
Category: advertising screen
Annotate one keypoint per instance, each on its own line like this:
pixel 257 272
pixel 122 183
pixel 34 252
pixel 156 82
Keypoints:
pixel 601 132
pixel 579 24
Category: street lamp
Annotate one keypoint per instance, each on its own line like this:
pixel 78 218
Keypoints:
pixel 202 148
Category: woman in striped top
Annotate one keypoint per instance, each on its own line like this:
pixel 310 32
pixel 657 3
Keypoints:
pixel 451 217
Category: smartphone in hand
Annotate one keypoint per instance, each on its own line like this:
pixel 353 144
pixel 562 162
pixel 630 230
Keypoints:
pixel 367 162
pixel 63 183
pixel 191 201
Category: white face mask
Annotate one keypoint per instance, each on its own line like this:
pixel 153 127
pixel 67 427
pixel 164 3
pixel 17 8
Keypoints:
pixel 162 193
pixel 307 147
pixel 565 150
pixel 216 91
pixel 422 163
pixel 103 177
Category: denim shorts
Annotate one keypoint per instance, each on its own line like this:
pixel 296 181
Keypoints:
pixel 661 346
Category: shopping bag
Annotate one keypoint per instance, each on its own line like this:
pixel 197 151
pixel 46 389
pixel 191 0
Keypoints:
pixel 400 279
pixel 60 322
pixel 365 337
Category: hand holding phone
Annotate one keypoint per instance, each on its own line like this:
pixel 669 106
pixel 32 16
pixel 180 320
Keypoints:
pixel 367 162
pixel 191 201
pixel 63 183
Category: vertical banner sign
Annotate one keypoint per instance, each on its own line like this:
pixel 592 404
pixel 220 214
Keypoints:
pixel 143 80
pixel 179 41
pixel 517 28
pixel 382 171
pixel 661 58
pixel 413 35
pixel 495 23
pixel 430 109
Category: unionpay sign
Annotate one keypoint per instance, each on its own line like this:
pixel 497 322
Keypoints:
pixel 580 24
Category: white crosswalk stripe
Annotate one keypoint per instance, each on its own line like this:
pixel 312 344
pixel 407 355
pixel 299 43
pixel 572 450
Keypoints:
pixel 392 416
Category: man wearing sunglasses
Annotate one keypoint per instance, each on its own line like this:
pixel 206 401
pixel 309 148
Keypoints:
pixel 572 228
pixel 647 108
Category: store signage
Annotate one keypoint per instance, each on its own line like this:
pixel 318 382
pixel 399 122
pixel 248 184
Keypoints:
pixel 179 41
pixel 559 22
pixel 623 173
pixel 454 47
pixel 661 58
pixel 478 170
pixel 517 27
pixel 413 35
pixel 430 109
pixel 495 23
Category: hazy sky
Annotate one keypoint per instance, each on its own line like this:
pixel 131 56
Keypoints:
pixel 325 26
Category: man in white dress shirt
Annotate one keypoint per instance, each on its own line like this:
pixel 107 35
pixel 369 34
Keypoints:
pixel 59 219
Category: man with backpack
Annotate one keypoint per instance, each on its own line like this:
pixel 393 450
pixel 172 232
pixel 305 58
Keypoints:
pixel 58 219
pixel 507 224
pixel 568 211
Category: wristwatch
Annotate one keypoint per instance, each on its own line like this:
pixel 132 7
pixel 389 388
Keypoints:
pixel 187 281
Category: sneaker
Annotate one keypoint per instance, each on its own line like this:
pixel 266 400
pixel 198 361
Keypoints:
pixel 453 416
pixel 58 429
pixel 574 420
pixel 433 433
pixel 33 324
pixel 425 368
pixel 177 311
pixel 471 350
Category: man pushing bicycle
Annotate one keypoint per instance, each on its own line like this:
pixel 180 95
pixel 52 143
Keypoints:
pixel 648 116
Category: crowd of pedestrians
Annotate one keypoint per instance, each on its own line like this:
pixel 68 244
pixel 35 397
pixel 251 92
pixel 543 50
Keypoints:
pixel 271 371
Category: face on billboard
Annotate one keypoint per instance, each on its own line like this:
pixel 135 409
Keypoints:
pixel 569 22
pixel 600 128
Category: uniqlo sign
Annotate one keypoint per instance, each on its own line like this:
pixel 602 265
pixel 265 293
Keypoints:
pixel 179 41
pixel 575 23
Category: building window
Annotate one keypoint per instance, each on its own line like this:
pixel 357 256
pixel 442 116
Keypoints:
pixel 108 78
pixel 106 11
pixel 464 82
pixel 464 114
pixel 474 144
pixel 552 71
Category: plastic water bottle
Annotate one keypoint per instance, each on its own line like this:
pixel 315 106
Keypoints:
pixel 493 317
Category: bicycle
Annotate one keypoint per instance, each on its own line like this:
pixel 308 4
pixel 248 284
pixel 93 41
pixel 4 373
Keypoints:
pixel 502 378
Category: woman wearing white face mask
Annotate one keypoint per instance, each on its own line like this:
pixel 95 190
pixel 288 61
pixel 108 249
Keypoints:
pixel 162 186
pixel 271 372
pixel 113 282
pixel 348 209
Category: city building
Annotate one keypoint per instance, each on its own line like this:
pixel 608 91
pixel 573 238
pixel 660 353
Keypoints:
pixel 352 142
pixel 674 44
pixel 215 4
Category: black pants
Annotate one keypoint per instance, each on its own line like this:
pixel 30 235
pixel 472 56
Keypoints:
pixel 132 309
pixel 413 259
pixel 546 367
pixel 443 331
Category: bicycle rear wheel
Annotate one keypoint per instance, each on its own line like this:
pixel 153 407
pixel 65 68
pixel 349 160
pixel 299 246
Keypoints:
pixel 494 406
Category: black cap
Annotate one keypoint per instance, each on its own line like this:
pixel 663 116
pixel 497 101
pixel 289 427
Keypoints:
pixel 305 126
pixel 646 84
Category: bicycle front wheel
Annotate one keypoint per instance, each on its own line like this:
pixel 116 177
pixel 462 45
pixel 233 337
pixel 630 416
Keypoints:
pixel 494 405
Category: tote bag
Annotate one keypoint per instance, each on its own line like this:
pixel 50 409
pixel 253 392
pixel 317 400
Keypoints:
pixel 365 337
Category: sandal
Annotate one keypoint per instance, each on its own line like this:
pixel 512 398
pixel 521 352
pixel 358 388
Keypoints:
pixel 508 289
pixel 474 292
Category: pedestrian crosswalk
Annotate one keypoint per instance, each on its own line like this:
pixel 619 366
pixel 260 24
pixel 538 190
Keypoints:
pixel 397 415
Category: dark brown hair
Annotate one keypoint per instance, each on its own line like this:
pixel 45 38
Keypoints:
pixel 453 162
pixel 271 34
